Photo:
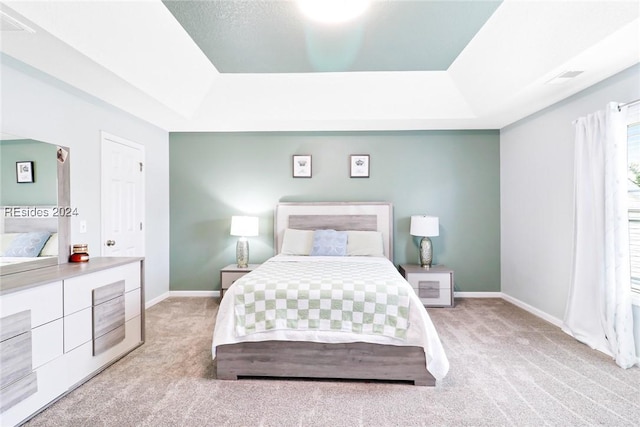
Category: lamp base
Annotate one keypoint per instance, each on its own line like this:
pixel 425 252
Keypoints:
pixel 242 253
pixel 426 252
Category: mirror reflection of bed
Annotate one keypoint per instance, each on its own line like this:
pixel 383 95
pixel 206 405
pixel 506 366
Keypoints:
pixel 32 234
pixel 29 237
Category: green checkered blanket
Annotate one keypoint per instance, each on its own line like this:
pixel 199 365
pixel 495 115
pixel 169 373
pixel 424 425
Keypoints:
pixel 357 297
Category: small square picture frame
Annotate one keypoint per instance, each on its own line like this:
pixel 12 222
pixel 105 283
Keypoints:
pixel 24 172
pixel 359 166
pixel 301 166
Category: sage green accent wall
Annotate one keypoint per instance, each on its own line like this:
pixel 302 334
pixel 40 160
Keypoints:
pixel 450 174
pixel 44 189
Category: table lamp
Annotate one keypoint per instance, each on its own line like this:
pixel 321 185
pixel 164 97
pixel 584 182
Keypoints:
pixel 243 226
pixel 425 226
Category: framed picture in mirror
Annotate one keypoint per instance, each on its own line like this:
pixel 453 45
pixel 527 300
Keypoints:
pixel 24 172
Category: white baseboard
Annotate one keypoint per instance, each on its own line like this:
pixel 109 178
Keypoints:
pixel 523 305
pixel 156 300
pixel 541 314
pixel 166 295
pixel 194 293
pixel 477 294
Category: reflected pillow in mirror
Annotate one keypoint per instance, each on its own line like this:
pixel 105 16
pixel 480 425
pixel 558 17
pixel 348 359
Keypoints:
pixel 5 241
pixel 27 244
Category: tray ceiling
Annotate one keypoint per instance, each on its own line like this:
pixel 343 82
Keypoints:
pixel 271 37
pixel 259 65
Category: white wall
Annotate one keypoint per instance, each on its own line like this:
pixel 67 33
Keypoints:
pixel 37 106
pixel 536 195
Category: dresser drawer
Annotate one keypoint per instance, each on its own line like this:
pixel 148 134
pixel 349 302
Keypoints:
pixel 78 291
pixel 29 350
pixel 29 395
pixel 82 363
pixel 47 342
pixel 45 303
pixel 78 327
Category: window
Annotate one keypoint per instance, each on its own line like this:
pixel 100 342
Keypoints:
pixel 633 163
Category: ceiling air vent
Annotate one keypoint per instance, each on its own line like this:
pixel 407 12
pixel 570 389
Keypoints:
pixel 11 24
pixel 564 77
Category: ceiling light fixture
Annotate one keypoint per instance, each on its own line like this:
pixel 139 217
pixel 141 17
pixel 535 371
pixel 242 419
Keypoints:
pixel 333 11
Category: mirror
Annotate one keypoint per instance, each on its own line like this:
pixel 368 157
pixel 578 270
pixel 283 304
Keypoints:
pixel 34 204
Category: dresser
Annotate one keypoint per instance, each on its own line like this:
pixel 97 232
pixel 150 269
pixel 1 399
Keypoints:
pixel 61 325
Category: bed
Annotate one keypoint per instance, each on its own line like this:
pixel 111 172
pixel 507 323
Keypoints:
pixel 395 341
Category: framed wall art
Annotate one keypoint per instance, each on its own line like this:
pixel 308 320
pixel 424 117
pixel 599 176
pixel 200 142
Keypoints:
pixel 359 166
pixel 24 171
pixel 302 166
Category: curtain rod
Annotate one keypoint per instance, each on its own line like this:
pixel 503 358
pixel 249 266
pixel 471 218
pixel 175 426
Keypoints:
pixel 628 104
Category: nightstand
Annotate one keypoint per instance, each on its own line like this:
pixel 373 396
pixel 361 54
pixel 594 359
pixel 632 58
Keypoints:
pixel 231 273
pixel 434 286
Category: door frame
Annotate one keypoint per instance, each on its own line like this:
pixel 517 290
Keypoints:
pixel 106 136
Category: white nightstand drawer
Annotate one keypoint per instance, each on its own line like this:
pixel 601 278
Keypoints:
pixel 230 277
pixel 231 273
pixel 434 286
pixel 432 289
pixel 424 283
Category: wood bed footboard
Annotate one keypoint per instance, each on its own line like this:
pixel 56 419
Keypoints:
pixel 362 361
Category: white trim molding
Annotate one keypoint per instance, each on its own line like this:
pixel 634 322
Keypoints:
pixel 156 300
pixel 541 314
pixel 215 294
pixel 477 295
pixel 180 294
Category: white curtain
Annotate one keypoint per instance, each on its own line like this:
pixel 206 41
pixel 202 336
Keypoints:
pixel 598 310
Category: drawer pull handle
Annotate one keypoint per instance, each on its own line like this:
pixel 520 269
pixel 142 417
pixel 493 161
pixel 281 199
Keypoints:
pixel 111 242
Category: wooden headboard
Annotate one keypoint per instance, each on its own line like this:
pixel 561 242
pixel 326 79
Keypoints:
pixel 22 219
pixel 342 216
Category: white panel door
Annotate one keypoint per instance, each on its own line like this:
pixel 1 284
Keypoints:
pixel 122 197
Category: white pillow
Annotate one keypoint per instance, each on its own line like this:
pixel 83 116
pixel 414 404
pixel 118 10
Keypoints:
pixel 51 247
pixel 365 243
pixel 297 242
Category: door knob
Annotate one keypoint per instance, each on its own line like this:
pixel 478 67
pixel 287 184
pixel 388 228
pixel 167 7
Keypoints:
pixel 111 242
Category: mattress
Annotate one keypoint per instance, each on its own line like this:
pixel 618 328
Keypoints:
pixel 420 331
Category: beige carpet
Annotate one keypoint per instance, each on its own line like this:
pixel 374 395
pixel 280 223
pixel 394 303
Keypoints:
pixel 507 368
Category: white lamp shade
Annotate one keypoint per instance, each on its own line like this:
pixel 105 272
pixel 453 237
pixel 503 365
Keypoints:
pixel 424 226
pixel 244 226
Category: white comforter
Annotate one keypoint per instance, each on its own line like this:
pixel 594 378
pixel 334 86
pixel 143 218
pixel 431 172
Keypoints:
pixel 421 331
